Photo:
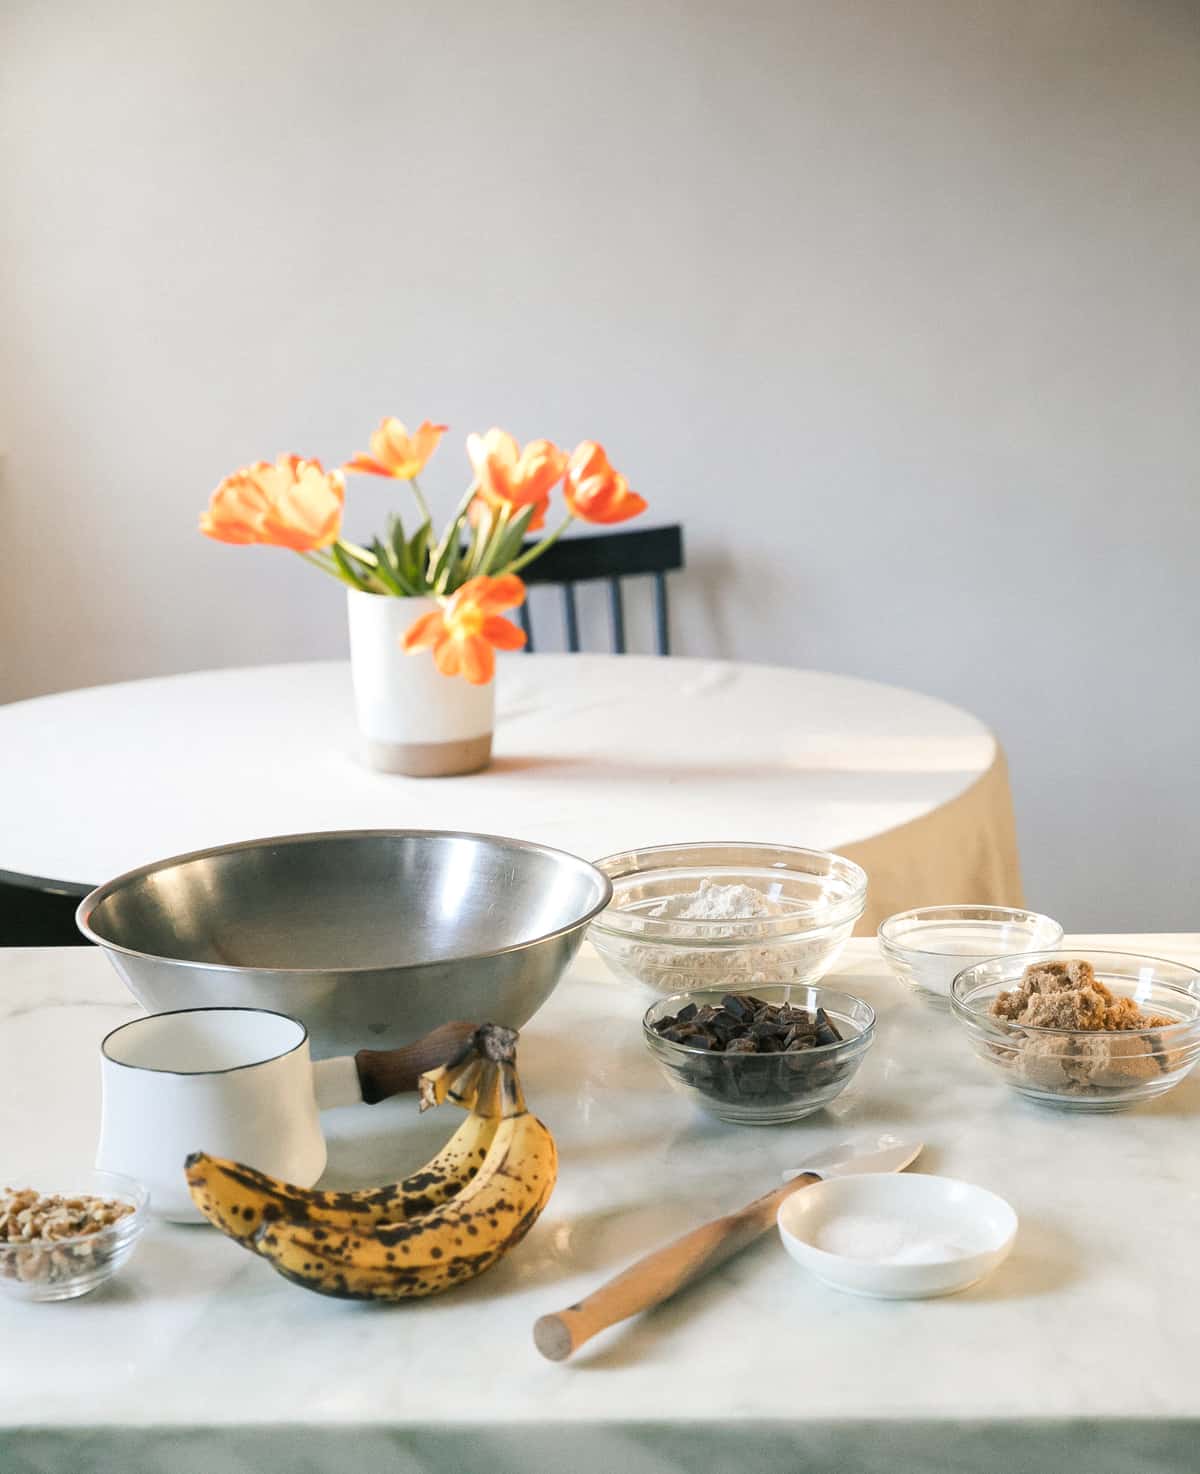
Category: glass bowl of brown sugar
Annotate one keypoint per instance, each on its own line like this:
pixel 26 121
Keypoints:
pixel 1082 1030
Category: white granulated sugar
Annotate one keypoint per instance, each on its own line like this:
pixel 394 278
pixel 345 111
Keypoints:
pixel 881 1240
pixel 714 902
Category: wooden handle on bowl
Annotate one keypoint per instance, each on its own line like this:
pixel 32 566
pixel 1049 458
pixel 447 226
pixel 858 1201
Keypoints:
pixel 658 1276
pixel 385 1072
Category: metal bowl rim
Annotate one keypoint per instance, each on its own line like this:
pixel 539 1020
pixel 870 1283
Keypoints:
pixel 110 887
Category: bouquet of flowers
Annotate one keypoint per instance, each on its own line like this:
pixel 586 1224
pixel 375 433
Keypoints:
pixel 471 568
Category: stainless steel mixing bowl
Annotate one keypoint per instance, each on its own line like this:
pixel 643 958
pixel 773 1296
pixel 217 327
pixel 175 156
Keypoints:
pixel 369 936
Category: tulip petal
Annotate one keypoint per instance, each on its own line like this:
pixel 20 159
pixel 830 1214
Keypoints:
pixel 502 633
pixel 224 529
pixel 595 492
pixel 498 594
pixel 306 510
pixel 424 631
pixel 365 464
pixel 447 655
pixel 478 660
pixel 509 474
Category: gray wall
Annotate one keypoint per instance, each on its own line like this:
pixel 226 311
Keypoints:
pixel 892 302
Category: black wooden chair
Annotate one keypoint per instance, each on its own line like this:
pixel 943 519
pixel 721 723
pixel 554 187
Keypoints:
pixel 38 913
pixel 611 556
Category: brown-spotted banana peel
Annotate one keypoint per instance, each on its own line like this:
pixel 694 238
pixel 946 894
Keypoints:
pixel 438 1228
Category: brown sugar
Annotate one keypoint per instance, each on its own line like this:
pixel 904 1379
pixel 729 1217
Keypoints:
pixel 1068 996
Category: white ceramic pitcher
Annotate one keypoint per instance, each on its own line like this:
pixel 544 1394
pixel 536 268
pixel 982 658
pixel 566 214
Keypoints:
pixel 238 1083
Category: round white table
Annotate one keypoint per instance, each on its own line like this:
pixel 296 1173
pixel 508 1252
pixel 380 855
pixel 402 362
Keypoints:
pixel 593 754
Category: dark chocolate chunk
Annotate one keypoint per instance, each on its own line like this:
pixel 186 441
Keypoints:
pixel 751 1050
pixel 745 1045
pixel 826 1032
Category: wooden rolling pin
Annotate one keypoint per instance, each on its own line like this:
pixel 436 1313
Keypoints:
pixel 658 1276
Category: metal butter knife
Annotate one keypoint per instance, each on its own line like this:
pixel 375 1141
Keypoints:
pixel 658 1276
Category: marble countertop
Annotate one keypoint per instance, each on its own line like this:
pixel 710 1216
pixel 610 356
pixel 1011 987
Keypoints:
pixel 1078 1352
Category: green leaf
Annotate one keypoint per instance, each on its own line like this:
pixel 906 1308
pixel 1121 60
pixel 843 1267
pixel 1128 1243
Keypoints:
pixel 418 553
pixel 477 545
pixel 347 571
pixel 398 545
pixel 388 574
pixel 509 544
pixel 447 548
pixel 453 574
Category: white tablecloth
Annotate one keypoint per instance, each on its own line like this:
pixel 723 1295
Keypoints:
pixel 593 754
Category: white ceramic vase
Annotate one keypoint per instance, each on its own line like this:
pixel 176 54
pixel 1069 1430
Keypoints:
pixel 413 719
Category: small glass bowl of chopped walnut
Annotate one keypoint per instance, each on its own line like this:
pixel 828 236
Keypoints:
pixel 1082 1030
pixel 55 1245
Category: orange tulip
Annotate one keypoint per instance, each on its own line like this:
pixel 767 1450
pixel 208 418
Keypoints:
pixel 394 452
pixel 467 630
pixel 508 475
pixel 594 491
pixel 292 504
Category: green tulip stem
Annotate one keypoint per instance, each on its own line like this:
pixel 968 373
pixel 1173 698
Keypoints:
pixel 536 552
pixel 422 504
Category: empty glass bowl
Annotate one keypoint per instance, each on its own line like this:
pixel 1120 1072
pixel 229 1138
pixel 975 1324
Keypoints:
pixel 61 1269
pixel 765 1089
pixel 810 900
pixel 1086 1069
pixel 928 947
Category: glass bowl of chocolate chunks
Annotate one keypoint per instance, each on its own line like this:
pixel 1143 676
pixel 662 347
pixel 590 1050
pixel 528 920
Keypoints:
pixel 761 1058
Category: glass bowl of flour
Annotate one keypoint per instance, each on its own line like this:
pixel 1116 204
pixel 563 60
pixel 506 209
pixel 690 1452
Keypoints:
pixel 690 917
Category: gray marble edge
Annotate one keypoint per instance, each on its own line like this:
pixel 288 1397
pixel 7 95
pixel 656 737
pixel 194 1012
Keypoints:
pixel 1017 1446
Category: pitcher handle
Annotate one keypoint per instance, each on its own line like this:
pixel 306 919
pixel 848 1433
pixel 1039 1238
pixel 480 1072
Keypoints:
pixel 375 1074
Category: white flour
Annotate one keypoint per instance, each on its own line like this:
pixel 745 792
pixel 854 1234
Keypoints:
pixel 713 902
pixel 690 961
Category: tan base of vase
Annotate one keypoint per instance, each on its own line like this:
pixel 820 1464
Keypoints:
pixel 430 759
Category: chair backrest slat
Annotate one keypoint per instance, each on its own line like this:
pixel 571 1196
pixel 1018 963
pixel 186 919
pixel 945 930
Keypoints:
pixel 523 616
pixel 611 556
pixel 571 617
pixel 617 611
pixel 661 629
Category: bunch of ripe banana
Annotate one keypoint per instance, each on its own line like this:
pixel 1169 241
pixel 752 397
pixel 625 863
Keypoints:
pixel 437 1228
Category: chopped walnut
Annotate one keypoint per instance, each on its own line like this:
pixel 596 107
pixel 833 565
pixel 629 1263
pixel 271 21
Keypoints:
pixel 51 1235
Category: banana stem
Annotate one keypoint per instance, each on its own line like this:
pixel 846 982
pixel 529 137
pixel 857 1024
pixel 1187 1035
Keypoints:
pixel 482 1076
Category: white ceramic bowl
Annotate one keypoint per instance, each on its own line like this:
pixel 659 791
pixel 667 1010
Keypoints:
pixel 897 1236
pixel 927 948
